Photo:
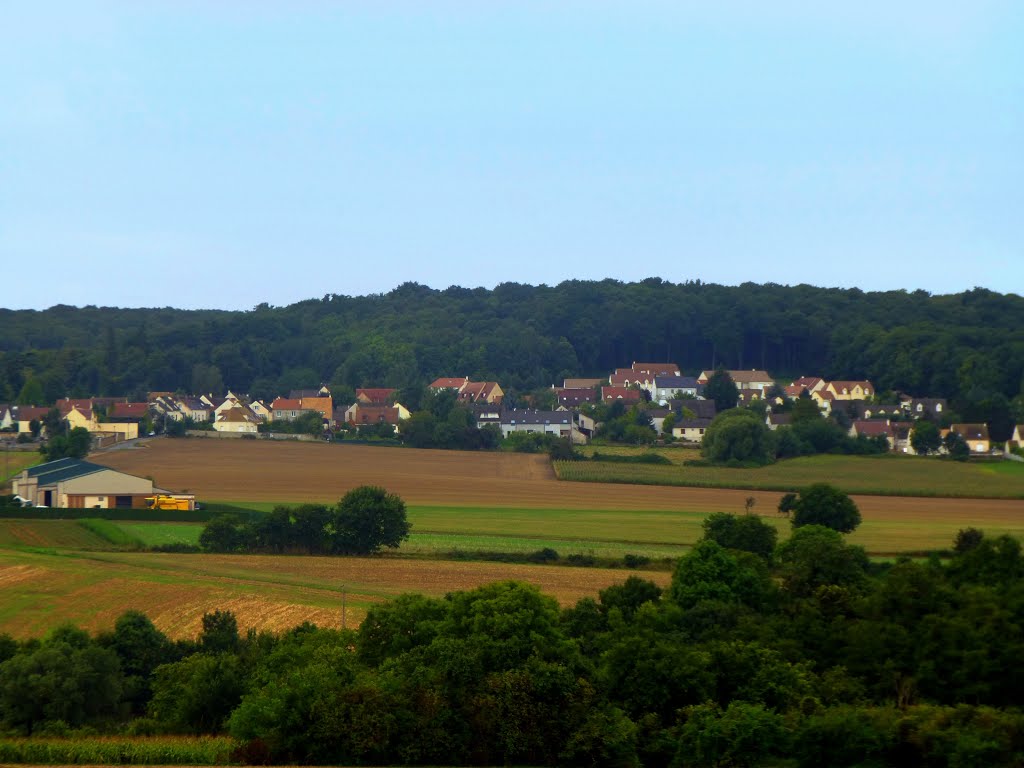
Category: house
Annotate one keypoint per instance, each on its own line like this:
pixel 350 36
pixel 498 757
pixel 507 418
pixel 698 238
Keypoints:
pixel 481 392
pixel 299 394
pixel 454 383
pixel 78 416
pixel 975 435
pixel 810 383
pixel 776 420
pixel 230 400
pixel 752 379
pixel 324 405
pixel 691 430
pixel 192 407
pixel 486 414
pixel 582 383
pixel 127 412
pixel 901 437
pixel 642 374
pixel 665 388
pixel 874 428
pixel 26 414
pixel 862 409
pixel 285 409
pixel 1017 438
pixel 700 409
pixel 573 398
pixel 746 395
pixel 924 407
pixel 237 419
pixel 824 399
pixel 361 414
pixel 560 423
pixel 77 484
pixel 850 390
pixel 658 418
pixel 260 409
pixel 375 395
pixel 620 393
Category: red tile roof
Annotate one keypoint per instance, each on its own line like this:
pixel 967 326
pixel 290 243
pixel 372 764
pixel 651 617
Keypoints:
pixel 286 404
pixel 128 410
pixel 375 395
pixel 448 382
pixel 620 393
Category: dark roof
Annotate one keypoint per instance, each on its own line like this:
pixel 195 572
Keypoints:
pixel 702 409
pixel 676 382
pixel 537 417
pixel 63 469
pixel 693 423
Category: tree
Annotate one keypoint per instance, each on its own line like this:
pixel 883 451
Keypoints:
pixel 74 445
pixel 220 632
pixel 816 556
pixel 925 438
pixel 956 447
pixel 223 533
pixel 823 504
pixel 787 504
pixel 368 518
pixel 31 392
pixel 748 533
pixel 710 572
pixel 738 435
pixel 722 390
pixel 743 735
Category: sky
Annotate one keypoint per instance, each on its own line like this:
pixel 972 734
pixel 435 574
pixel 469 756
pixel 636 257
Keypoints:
pixel 223 155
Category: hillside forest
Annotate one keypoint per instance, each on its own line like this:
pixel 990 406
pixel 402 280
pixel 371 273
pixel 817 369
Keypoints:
pixel 967 347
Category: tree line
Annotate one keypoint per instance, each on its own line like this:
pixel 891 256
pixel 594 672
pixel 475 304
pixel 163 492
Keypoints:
pixel 755 652
pixel 967 347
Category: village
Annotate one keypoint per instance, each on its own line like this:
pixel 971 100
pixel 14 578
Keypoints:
pixel 675 405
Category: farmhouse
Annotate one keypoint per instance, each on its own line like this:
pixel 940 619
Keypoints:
pixel 77 484
pixel 237 419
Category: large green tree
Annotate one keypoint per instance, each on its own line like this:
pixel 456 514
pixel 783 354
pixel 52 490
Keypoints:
pixel 369 518
pixel 722 390
pixel 824 504
pixel 738 435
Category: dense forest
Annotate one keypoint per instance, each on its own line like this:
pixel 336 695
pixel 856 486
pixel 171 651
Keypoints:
pixel 798 654
pixel 964 347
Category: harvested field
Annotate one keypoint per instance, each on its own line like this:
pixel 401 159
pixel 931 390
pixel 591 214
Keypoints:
pixel 38 591
pixel 239 470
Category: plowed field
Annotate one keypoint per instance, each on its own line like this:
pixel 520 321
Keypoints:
pixel 244 470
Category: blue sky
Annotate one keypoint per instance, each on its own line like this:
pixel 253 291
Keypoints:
pixel 227 154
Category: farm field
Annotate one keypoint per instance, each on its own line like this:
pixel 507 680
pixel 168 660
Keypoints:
pixel 41 589
pixel 59 534
pixel 14 462
pixel 881 475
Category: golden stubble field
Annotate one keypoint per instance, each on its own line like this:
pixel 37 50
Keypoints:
pixel 40 590
pixel 253 470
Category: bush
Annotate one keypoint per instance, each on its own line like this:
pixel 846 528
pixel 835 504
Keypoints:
pixel 546 555
pixel 823 504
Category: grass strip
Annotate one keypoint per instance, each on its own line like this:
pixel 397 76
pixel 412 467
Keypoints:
pixel 111 533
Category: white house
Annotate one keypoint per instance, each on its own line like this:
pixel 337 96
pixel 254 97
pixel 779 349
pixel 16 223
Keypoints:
pixel 691 430
pixel 664 388
pixel 560 423
pixel 237 419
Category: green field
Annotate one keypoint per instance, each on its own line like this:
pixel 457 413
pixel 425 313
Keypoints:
pixel 13 462
pixel 157 534
pixel 677 455
pixel 866 475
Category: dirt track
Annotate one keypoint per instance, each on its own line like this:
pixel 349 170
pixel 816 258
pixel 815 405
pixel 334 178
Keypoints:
pixel 243 470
